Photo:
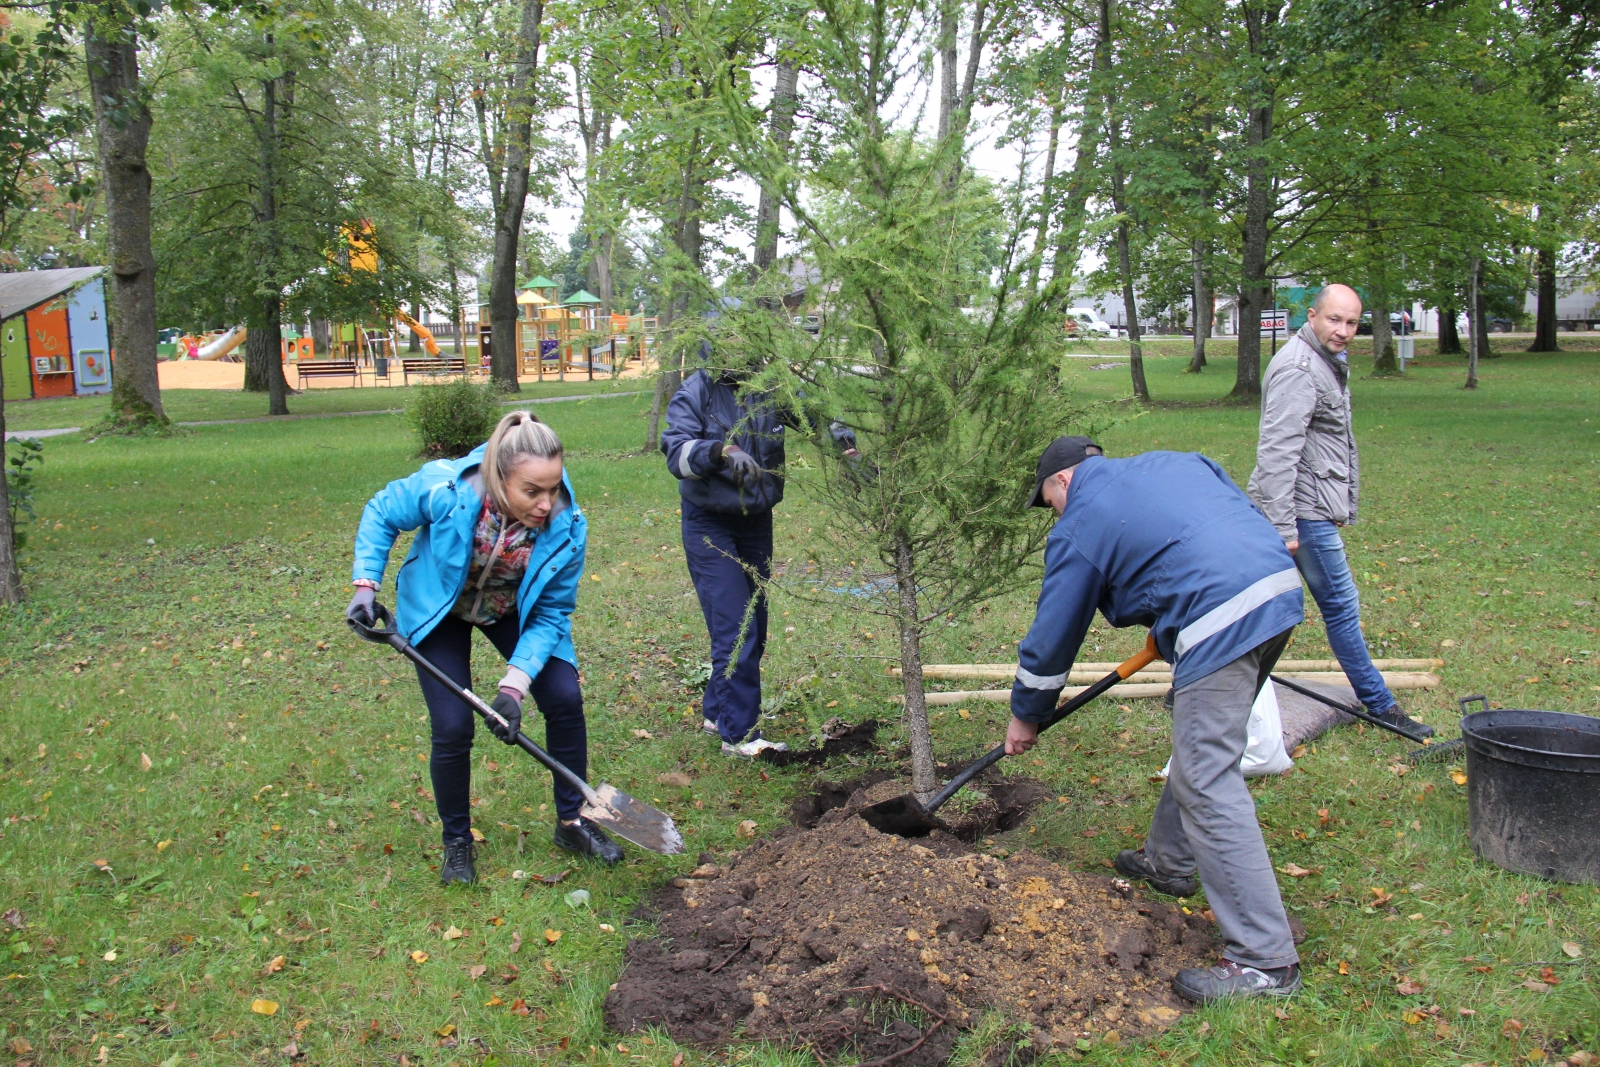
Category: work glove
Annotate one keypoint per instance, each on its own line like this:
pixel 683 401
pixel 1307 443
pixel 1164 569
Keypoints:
pixel 742 467
pixel 509 705
pixel 843 436
pixel 360 609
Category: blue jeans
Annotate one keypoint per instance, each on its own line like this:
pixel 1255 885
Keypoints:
pixel 1323 565
pixel 555 691
pixel 717 548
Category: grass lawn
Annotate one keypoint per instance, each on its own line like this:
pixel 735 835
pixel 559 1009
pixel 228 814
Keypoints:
pixel 212 795
pixel 196 405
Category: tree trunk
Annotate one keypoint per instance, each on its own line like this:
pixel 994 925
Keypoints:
pixel 1201 294
pixel 414 342
pixel 122 127
pixel 1119 201
pixel 949 30
pixel 924 777
pixel 785 94
pixel 321 338
pixel 1474 323
pixel 520 103
pixel 10 576
pixel 1254 285
pixel 1544 326
pixel 1383 356
pixel 1046 199
pixel 1480 314
pixel 263 370
pixel 1449 338
pixel 1069 243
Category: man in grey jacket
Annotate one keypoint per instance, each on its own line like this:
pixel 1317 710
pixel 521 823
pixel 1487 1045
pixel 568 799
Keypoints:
pixel 1307 480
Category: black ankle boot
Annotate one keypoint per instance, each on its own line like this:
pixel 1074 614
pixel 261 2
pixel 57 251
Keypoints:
pixel 1395 717
pixel 459 852
pixel 587 839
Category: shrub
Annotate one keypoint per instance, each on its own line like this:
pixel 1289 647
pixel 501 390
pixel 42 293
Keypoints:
pixel 454 418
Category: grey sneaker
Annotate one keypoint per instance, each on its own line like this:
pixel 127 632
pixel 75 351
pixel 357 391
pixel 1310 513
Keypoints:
pixel 1202 985
pixel 1138 865
pixel 753 747
pixel 709 727
pixel 459 852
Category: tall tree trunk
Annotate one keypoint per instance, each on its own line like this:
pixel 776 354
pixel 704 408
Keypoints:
pixel 1074 207
pixel 520 103
pixel 122 127
pixel 1046 199
pixel 924 777
pixel 1254 285
pixel 1544 323
pixel 413 341
pixel 10 576
pixel 1449 338
pixel 322 338
pixel 1474 322
pixel 1119 201
pixel 1480 314
pixel 263 370
pixel 1383 356
pixel 949 32
pixel 785 94
pixel 1201 295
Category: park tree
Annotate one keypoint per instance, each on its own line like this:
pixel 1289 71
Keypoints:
pixel 949 403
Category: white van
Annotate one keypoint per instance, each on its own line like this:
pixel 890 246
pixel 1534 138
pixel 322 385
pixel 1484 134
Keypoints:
pixel 1084 322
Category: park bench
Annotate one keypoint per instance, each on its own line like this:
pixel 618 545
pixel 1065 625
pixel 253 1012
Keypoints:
pixel 432 366
pixel 328 368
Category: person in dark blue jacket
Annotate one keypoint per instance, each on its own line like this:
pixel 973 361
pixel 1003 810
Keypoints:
pixel 1167 541
pixel 724 444
pixel 500 549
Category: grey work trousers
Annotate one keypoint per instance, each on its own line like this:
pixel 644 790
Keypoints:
pixel 1205 821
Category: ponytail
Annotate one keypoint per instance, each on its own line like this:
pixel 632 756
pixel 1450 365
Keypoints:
pixel 518 436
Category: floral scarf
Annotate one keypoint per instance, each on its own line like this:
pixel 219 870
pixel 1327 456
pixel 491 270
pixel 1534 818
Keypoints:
pixel 500 552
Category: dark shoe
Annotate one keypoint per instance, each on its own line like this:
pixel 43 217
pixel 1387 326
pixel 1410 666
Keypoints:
pixel 1395 717
pixel 587 839
pixel 1202 985
pixel 459 852
pixel 1137 865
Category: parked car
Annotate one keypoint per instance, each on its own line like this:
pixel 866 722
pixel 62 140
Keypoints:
pixel 811 324
pixel 1084 322
pixel 1399 323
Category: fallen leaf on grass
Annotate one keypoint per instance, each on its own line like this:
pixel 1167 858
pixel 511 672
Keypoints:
pixel 446 1030
pixel 1280 1013
pixel 1411 1018
pixel 493 1002
pixel 516 942
pixel 1571 948
pixel 607 928
pixel 419 956
pixel 552 936
pixel 144 762
pixel 519 1007
pixel 1299 751
pixel 964 713
pixel 274 965
pixel 1381 895
pixel 477 835
pixel 554 879
pixel 264 1007
pixel 13 919
pixel 1294 870
pixel 1408 987
pixel 677 1061
pixel 1536 986
pixel 1580 1058
pixel 453 934
pixel 1399 769
pixel 1458 777
pixel 643 735
pixel 747 828
pixel 1441 1030
pixel 476 971
pixel 1344 968
pixel 110 956
pixel 1510 1029
pixel 1324 817
pixel 1548 975
pixel 675 778
pixel 20 1046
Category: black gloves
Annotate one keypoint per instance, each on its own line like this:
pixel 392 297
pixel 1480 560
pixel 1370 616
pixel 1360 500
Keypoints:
pixel 510 709
pixel 360 609
pixel 742 467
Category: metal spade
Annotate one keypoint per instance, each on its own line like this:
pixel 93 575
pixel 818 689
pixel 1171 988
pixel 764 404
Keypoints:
pixel 907 816
pixel 609 807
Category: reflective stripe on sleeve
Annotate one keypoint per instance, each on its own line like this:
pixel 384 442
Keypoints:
pixel 1241 604
pixel 1036 681
pixel 683 461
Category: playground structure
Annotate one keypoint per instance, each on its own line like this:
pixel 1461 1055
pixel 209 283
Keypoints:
pixel 54 337
pixel 571 336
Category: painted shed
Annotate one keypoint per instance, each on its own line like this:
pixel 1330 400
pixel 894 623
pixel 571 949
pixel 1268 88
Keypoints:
pixel 54 338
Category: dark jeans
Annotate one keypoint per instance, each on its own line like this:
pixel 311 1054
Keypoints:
pixel 555 691
pixel 1322 563
pixel 717 548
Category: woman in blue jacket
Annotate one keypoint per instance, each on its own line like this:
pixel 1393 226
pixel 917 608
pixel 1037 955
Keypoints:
pixel 500 548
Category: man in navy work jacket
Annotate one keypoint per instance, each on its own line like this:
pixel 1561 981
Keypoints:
pixel 1167 541
pixel 724 444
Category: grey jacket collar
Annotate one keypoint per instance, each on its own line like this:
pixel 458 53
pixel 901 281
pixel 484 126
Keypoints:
pixel 1338 363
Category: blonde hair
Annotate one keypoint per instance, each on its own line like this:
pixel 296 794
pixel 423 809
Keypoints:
pixel 518 436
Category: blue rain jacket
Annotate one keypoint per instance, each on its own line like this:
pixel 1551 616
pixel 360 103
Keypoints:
pixel 1163 540
pixel 441 504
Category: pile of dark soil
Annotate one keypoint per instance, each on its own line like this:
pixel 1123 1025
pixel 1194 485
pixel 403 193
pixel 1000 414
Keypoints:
pixel 854 942
pixel 847 740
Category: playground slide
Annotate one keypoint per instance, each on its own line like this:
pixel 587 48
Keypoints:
pixel 223 345
pixel 428 343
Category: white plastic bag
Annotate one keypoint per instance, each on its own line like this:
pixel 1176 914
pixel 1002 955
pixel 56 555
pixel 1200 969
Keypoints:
pixel 1264 752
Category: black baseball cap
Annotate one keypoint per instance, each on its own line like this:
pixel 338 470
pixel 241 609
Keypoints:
pixel 1064 452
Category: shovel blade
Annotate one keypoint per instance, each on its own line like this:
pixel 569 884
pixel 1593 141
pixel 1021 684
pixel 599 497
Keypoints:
pixel 633 820
pixel 903 815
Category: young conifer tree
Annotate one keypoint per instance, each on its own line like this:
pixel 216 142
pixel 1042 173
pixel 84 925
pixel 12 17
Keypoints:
pixel 931 350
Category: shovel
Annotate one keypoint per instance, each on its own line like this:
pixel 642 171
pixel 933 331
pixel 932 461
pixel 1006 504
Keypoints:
pixel 1432 752
pixel 606 806
pixel 909 817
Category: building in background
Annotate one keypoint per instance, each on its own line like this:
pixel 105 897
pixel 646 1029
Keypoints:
pixel 54 337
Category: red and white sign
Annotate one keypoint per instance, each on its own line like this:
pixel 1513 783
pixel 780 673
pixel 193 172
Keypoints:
pixel 1277 319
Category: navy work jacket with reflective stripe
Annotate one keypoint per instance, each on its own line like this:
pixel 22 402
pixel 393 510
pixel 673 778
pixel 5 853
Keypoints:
pixel 1163 540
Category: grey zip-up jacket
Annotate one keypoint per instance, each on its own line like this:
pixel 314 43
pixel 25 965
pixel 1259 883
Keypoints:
pixel 1306 461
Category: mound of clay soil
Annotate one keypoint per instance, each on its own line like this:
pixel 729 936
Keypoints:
pixel 846 740
pixel 851 941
